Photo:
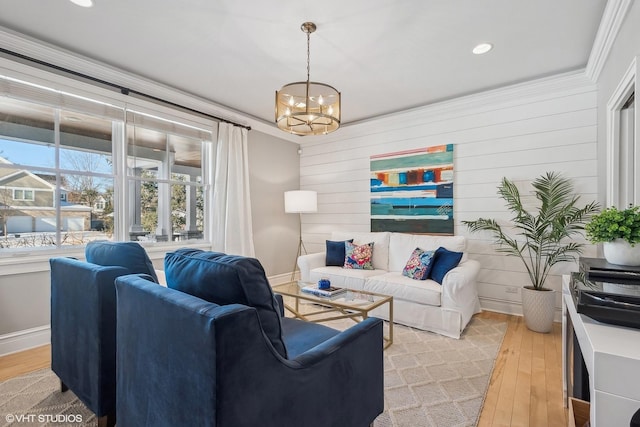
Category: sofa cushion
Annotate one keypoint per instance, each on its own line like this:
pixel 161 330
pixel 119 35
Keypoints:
pixel 401 246
pixel 380 258
pixel 419 265
pixel 300 335
pixel 226 279
pixel 336 252
pixel 358 257
pixel 343 277
pixel 443 261
pixel 129 255
pixel 393 283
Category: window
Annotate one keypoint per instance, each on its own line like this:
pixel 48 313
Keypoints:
pixel 42 151
pixel 623 152
pixel 628 192
pixel 165 174
pixel 73 170
pixel 23 195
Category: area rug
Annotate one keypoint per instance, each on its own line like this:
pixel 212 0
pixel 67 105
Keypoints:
pixel 430 380
pixel 435 381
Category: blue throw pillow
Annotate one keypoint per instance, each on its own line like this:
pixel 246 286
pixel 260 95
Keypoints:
pixel 443 261
pixel 336 253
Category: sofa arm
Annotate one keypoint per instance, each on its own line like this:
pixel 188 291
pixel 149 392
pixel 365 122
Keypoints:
pixel 308 262
pixel 459 285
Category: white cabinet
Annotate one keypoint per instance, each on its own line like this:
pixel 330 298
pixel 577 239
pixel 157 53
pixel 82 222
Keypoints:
pixel 612 357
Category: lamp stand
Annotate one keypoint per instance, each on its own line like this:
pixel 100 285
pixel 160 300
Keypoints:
pixel 301 248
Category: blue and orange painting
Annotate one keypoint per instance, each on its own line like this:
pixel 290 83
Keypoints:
pixel 412 191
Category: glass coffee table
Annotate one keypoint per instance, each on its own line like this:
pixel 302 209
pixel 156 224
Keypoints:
pixel 354 305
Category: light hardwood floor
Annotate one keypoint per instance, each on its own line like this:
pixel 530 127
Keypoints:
pixel 525 388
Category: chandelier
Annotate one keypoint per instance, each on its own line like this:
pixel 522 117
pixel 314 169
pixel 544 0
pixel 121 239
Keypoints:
pixel 308 108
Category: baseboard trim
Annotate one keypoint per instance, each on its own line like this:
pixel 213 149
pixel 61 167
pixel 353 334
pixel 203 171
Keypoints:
pixel 279 279
pixel 24 340
pixel 511 308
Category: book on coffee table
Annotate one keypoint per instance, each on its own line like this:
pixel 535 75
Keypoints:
pixel 332 291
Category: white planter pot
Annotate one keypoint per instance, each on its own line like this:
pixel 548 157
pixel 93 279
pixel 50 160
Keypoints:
pixel 622 253
pixel 538 308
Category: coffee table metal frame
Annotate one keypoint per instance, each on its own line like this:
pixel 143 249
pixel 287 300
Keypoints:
pixel 354 305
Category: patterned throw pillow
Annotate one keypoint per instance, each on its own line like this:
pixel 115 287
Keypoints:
pixel 358 256
pixel 419 264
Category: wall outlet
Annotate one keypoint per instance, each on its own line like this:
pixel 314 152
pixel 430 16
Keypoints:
pixel 512 290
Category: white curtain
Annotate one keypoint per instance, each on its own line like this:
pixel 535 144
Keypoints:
pixel 232 231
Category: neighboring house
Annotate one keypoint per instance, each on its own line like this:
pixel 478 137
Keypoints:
pixel 99 205
pixel 28 204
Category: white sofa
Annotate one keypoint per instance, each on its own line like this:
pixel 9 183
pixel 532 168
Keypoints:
pixel 424 304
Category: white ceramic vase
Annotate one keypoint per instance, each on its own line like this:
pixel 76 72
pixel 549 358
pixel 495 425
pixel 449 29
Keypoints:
pixel 622 253
pixel 538 308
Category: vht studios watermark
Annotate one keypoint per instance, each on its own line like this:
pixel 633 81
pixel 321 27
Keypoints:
pixel 43 418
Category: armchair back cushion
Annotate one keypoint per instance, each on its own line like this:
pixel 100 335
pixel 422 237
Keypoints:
pixel 130 255
pixel 227 279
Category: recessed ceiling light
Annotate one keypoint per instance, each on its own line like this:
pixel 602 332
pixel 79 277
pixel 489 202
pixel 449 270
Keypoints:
pixel 482 48
pixel 83 3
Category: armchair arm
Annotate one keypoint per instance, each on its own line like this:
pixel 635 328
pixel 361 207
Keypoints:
pixel 308 262
pixel 459 285
pixel 83 330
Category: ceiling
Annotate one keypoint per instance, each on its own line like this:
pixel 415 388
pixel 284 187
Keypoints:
pixel 383 55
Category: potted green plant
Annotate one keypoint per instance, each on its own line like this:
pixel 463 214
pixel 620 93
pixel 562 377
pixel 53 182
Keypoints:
pixel 541 238
pixel 619 231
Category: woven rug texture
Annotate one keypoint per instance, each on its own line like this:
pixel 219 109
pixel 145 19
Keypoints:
pixel 430 380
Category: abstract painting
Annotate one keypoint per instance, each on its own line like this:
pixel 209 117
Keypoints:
pixel 412 191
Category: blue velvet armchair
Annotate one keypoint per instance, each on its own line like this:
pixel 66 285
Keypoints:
pixel 83 321
pixel 83 332
pixel 184 359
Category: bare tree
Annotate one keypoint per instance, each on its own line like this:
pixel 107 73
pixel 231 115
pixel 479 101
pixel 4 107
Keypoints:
pixel 86 188
pixel 6 196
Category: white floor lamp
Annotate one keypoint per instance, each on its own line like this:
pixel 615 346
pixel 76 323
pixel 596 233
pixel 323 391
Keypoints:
pixel 300 201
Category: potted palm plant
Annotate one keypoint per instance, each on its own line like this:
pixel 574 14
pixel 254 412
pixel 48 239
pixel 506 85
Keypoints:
pixel 541 239
pixel 619 231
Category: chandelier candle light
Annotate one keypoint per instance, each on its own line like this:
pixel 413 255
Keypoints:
pixel 308 108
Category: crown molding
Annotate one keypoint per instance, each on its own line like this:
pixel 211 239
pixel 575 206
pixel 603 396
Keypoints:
pixel 573 81
pixel 614 13
pixel 42 51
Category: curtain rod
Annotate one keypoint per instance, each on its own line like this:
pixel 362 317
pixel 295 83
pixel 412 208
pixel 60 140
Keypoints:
pixel 123 90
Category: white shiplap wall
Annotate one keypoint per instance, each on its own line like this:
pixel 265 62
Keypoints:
pixel 519 132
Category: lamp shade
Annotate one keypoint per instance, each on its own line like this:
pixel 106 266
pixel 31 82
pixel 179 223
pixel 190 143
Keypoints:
pixel 300 201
